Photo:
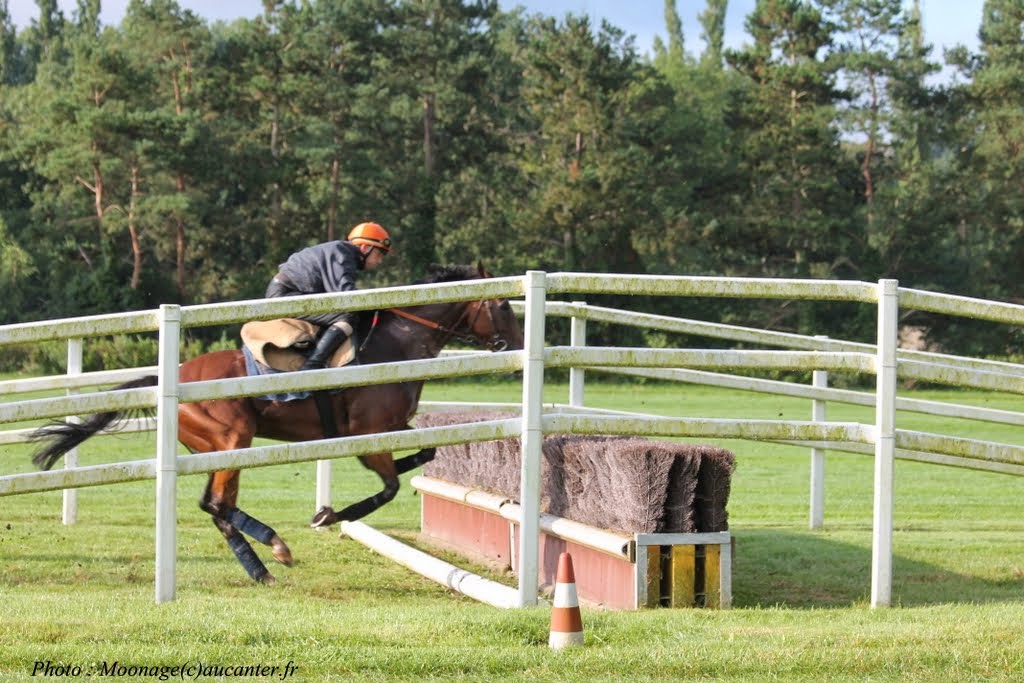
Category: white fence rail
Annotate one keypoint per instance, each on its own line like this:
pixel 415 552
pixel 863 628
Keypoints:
pixel 881 438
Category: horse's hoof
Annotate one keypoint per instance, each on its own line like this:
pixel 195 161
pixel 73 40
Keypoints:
pixel 324 517
pixel 268 579
pixel 281 552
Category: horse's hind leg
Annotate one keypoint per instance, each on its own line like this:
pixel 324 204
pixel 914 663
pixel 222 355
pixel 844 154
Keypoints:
pixel 219 501
pixel 384 465
pixel 226 425
pixel 253 527
pixel 250 561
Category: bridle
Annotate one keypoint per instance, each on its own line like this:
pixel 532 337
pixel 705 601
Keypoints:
pixel 495 343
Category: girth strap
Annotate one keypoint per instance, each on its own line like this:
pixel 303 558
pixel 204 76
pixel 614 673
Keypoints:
pixel 325 410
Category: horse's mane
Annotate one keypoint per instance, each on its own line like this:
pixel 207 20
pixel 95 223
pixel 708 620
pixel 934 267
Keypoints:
pixel 438 273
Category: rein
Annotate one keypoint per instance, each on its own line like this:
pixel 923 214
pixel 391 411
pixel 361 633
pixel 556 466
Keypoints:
pixel 450 332
pixel 416 319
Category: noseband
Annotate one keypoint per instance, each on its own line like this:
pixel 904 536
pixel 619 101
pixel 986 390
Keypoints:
pixel 495 343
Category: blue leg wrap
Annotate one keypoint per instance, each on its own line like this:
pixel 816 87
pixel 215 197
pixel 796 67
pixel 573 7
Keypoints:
pixel 247 556
pixel 249 526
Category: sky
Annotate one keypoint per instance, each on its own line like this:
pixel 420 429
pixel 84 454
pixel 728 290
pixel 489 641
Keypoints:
pixel 946 22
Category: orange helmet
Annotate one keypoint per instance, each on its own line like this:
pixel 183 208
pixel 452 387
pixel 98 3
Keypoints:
pixel 372 234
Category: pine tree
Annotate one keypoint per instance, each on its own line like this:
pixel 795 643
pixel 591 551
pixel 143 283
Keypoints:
pixel 675 53
pixel 994 229
pixel 8 47
pixel 431 73
pixel 712 21
pixel 911 237
pixel 793 217
pixel 871 30
pixel 167 44
pixel 44 38
pixel 328 63
pixel 601 162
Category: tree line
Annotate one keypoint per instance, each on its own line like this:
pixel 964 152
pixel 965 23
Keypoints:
pixel 171 159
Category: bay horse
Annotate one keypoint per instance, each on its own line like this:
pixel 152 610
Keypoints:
pixel 410 333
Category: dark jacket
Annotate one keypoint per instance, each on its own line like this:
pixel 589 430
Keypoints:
pixel 327 267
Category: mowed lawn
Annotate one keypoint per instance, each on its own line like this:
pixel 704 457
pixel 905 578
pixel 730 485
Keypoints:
pixel 82 595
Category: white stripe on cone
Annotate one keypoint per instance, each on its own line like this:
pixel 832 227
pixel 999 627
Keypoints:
pixel 566 622
pixel 565 595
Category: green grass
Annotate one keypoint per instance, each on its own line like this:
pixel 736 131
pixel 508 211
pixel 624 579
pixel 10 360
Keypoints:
pixel 84 594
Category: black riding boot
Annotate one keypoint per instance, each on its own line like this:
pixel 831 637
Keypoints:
pixel 329 341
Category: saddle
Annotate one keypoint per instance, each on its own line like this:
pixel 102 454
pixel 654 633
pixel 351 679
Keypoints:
pixel 284 343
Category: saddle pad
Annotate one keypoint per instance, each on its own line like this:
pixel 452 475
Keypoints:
pixel 254 368
pixel 277 343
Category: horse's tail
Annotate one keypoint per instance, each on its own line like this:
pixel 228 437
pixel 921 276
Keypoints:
pixel 61 436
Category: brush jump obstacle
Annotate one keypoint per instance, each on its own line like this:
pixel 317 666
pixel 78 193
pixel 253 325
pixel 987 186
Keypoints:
pixel 646 520
pixel 535 421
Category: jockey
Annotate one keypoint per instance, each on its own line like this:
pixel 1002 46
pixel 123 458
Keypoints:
pixel 331 267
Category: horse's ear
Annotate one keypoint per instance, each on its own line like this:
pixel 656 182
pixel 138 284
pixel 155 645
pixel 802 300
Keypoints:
pixel 480 269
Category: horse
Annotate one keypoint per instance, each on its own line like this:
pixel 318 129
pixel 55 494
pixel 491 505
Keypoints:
pixel 410 333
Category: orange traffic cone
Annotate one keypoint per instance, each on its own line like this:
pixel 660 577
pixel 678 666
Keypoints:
pixel 566 622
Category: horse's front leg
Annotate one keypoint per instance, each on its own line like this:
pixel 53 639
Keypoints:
pixel 219 501
pixel 384 465
pixel 417 459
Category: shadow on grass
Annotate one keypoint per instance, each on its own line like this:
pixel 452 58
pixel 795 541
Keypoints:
pixel 807 570
pixel 801 570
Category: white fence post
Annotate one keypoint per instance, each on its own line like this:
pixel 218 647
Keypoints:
pixel 885 443
pixel 167 453
pixel 532 438
pixel 323 486
pixel 577 337
pixel 70 507
pixel 819 380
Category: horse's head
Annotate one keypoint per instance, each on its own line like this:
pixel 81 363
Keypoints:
pixel 493 322
pixel 489 322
